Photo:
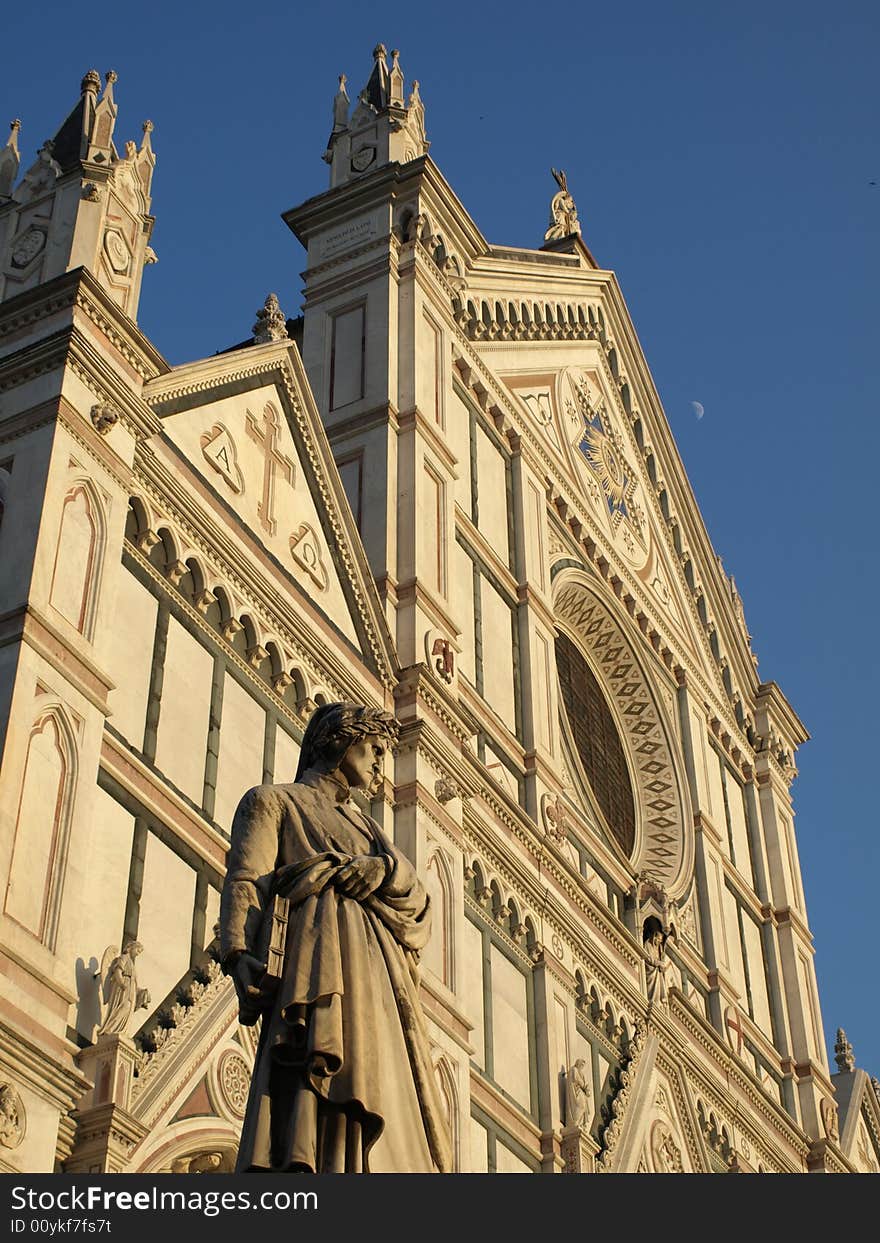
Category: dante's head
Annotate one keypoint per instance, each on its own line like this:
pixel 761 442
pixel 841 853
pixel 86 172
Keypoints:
pixel 335 730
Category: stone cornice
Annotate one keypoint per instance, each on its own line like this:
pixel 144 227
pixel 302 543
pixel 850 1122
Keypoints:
pixel 60 1084
pixel 81 289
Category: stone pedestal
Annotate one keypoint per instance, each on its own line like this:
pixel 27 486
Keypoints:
pixel 106 1132
pixel 578 1150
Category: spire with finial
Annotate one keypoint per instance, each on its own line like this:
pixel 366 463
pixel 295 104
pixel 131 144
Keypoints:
pixel 395 81
pixel 9 160
pixel 382 128
pixel 105 222
pixel 377 90
pixel 271 322
pixel 843 1052
pixel 100 148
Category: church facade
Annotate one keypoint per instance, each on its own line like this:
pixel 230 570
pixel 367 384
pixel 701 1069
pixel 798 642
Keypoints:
pixel 449 490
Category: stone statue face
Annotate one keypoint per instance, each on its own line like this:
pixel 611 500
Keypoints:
pixel 361 765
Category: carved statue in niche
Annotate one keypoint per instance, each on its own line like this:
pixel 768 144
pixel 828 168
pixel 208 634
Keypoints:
pixel 577 1094
pixel 119 986
pixel 656 962
pixel 322 921
pixel 563 212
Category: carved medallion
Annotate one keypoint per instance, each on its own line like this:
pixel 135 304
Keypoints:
pixel 306 552
pixel 28 247
pixel 665 1152
pixel 219 451
pixel 117 251
pixel 235 1082
pixel 13 1119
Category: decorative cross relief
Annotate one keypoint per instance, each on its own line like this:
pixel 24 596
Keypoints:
pixel 734 1029
pixel 267 438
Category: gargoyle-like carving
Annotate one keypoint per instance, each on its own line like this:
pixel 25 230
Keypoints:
pixel 104 416
pixel 445 790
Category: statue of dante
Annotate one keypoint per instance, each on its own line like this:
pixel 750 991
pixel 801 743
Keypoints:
pixel 343 1079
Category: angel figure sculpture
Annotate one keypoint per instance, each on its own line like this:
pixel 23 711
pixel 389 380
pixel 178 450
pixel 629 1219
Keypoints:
pixel 563 213
pixel 119 988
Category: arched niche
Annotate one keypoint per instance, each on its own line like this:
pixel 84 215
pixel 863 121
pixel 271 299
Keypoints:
pixel 79 556
pixel 663 835
pixel 438 954
pixel 42 826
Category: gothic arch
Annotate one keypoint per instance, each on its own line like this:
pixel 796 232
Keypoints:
pixel 438 864
pixel 664 835
pixel 184 1141
pixel 79 556
pixel 449 1097
pixel 42 829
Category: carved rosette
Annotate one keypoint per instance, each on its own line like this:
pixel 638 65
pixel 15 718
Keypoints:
pixel 235 1082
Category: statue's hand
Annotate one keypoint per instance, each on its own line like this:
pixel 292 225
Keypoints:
pixel 361 876
pixel 246 976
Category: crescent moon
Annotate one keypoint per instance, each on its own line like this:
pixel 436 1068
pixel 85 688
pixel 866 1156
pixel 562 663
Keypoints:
pixel 697 407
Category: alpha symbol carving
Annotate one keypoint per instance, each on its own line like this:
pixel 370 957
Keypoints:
pixel 219 450
pixel 267 438
pixel 306 552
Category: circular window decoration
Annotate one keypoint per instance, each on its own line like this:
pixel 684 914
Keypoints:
pixel 235 1082
pixel 597 741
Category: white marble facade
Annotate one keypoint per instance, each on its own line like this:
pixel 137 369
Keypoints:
pixel 451 490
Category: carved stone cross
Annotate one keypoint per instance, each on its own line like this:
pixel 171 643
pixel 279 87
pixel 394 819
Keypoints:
pixel 267 438
pixel 735 1032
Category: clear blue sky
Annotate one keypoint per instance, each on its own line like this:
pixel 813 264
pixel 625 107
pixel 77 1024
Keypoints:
pixel 722 158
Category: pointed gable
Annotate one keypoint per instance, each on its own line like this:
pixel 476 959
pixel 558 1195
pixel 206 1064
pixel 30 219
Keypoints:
pixel 245 422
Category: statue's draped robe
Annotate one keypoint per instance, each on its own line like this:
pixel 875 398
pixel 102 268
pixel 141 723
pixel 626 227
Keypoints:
pixel 343 1079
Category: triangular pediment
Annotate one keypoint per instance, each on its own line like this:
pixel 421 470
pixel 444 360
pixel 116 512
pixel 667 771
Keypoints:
pixel 855 1116
pixel 245 423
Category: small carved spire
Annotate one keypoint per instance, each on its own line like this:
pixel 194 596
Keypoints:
pixel 146 143
pixel 91 83
pixel 110 77
pixel 341 105
pixel 271 322
pixel 396 80
pixel 9 160
pixel 843 1052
